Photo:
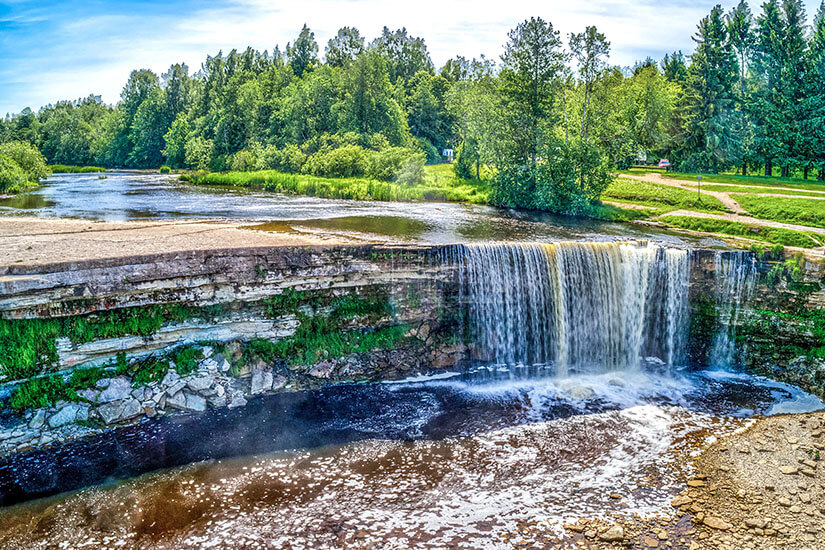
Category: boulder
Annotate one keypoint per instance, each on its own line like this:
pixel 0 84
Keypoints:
pixel 130 409
pixel 581 393
pixel 110 412
pixel 237 401
pixel 176 400
pixel 90 394
pixel 221 362
pixel 195 403
pixel 322 370
pixel 66 415
pixel 716 523
pixel 170 378
pixel 278 381
pixel 119 388
pixel 614 534
pixel 38 419
pixel 261 381
pixel 199 383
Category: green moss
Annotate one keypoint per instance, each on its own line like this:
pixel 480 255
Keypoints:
pixel 27 346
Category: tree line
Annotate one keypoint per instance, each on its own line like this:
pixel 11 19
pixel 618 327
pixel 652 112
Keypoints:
pixel 551 118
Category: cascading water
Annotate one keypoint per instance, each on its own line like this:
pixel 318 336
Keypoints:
pixel 735 278
pixel 575 305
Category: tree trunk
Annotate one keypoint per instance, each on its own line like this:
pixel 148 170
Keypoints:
pixel 744 168
pixel 821 174
pixel 478 168
pixel 768 168
pixel 805 172
pixel 785 171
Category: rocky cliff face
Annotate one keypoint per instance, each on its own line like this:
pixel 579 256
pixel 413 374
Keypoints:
pixel 99 343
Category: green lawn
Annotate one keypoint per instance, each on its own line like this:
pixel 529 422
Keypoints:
pixel 775 191
pixel 770 181
pixel 774 235
pixel 662 198
pixel 440 184
pixel 799 211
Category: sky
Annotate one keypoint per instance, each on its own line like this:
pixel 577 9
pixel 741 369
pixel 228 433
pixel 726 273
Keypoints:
pixel 61 49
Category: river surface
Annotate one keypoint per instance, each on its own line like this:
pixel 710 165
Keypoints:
pixel 139 196
pixel 479 460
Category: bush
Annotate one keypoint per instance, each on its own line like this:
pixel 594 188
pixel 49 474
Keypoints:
pixel 198 153
pixel 28 158
pixel 429 150
pixel 165 169
pixel 292 159
pixel 464 164
pixel 69 169
pixel 345 162
pixel 243 161
pixel 12 177
pixel 386 165
pixel 412 173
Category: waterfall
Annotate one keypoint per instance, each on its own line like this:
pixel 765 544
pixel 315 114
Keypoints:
pixel 575 305
pixel 735 276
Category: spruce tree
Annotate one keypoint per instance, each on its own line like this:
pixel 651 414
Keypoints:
pixel 710 142
pixel 814 103
pixel 767 105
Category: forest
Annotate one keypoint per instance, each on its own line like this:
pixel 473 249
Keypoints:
pixel 547 123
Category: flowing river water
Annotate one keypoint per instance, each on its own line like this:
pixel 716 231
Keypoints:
pixel 584 408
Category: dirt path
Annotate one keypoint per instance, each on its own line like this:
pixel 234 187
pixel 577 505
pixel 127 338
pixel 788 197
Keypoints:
pixel 722 196
pixel 744 219
pixel 42 241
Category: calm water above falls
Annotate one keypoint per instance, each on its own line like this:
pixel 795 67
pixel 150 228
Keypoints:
pixel 137 196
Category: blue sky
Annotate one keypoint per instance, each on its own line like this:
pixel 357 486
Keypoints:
pixel 58 49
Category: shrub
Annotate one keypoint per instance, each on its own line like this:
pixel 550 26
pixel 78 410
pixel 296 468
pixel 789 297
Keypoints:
pixel 345 162
pixel 198 153
pixel 429 150
pixel 378 142
pixel 12 177
pixel 386 165
pixel 165 169
pixel 28 158
pixel 243 161
pixel 292 159
pixel 412 173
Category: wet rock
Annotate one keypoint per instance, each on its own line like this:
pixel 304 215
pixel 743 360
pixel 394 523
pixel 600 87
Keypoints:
pixel 650 542
pixel 614 534
pixel 581 393
pixel 237 401
pixel 89 394
pixel 110 412
pixel 170 378
pixel 38 419
pixel 680 501
pixel 117 389
pixel 322 370
pixel 176 400
pixel 199 383
pixel 66 415
pixel 130 409
pixel 278 381
pixel 261 381
pixel 221 362
pixel 716 523
pixel 195 403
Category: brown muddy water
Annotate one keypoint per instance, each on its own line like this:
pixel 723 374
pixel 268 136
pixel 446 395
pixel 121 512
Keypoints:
pixel 463 462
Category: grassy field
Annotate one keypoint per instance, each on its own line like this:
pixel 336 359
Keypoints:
pixel 773 235
pixel 734 179
pixel 440 184
pixel 799 211
pixel 772 190
pixel 662 198
pixel 68 169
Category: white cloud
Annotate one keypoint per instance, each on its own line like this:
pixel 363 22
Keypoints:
pixel 95 55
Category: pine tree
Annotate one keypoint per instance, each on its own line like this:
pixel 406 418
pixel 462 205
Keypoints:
pixel 813 127
pixel 794 81
pixel 710 143
pixel 767 105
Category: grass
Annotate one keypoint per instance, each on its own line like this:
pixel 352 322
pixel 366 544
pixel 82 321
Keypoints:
pixel 662 198
pixel 29 345
pixel 772 190
pixel 785 237
pixel 69 169
pixel 439 184
pixel 788 210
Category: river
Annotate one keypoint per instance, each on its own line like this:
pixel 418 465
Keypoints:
pixel 127 195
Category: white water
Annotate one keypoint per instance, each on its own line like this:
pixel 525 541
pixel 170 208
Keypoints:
pixel 575 305
pixel 735 279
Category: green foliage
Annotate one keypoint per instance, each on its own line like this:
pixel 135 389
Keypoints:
pixel 780 236
pixel 165 169
pixel 344 162
pixel 28 161
pixel 66 169
pixel 27 346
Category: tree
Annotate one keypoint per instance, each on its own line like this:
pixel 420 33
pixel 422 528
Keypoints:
pixel 529 79
pixel 303 55
pixel 767 104
pixel 710 144
pixel 590 49
pixel 30 161
pixel 148 128
pixel 675 68
pixel 405 55
pixel 740 31
pixel 456 69
pixel 344 47
pixel 813 106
